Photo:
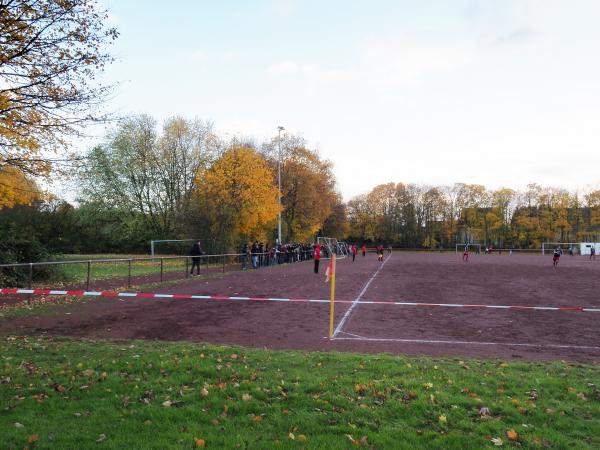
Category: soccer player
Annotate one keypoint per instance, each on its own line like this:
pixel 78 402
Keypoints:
pixel 354 251
pixel 556 256
pixel 317 256
pixel 466 253
pixel 592 253
pixel 364 249
pixel 380 252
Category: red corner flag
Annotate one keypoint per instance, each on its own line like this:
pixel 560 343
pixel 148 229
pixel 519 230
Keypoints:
pixel 330 272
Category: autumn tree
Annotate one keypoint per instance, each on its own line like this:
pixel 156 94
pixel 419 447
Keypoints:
pixel 17 188
pixel 50 53
pixel 150 176
pixel 307 186
pixel 239 195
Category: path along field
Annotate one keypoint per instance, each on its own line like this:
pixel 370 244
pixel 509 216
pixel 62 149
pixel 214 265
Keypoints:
pixel 407 277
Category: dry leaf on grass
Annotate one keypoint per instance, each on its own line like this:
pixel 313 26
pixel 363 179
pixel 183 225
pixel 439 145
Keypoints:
pixel 497 441
pixel 512 435
pixel 199 442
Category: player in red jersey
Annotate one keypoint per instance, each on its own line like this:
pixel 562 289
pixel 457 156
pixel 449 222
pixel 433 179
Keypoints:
pixel 466 253
pixel 317 257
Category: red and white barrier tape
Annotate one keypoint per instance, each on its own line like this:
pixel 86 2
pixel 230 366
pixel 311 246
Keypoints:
pixel 8 291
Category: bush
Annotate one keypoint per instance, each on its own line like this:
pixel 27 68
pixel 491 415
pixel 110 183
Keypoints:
pixel 18 248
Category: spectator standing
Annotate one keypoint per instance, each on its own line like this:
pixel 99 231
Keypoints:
pixel 195 253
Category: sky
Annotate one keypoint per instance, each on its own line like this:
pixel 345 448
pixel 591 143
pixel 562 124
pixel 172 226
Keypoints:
pixel 494 92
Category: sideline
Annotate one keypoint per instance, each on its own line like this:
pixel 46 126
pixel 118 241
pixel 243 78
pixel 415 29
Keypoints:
pixel 346 316
pixel 355 337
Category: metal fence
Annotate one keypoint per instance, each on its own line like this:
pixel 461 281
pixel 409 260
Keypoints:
pixel 115 272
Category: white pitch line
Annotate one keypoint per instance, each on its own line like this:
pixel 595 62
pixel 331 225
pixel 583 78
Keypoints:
pixel 433 341
pixel 357 299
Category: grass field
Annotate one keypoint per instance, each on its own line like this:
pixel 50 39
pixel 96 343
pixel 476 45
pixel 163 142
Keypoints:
pixel 63 393
pixel 116 269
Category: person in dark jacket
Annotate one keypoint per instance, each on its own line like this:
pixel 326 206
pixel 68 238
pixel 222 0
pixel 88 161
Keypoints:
pixel 196 252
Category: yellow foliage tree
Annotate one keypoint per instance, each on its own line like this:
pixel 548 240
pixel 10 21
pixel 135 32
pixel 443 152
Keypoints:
pixel 16 188
pixel 239 193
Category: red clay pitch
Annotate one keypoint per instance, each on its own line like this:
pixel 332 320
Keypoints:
pixel 419 277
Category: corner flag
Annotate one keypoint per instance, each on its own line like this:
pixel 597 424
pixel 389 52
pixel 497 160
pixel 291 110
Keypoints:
pixel 330 274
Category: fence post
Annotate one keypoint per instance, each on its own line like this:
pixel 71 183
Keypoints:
pixel 87 284
pixel 161 269
pixel 223 263
pixel 186 266
pixel 129 274
pixel 30 282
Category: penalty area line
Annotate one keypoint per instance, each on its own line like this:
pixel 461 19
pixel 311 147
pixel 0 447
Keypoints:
pixel 346 316
pixel 437 341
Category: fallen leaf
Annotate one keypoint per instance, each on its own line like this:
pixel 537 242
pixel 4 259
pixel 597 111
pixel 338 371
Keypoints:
pixel 484 413
pixel 33 438
pixel 233 356
pixel 427 385
pixel 204 392
pixel 103 376
pixel 199 442
pixel 497 441
pixel 246 397
pixel 256 418
pixel 101 438
pixel 125 401
pixel 291 436
pixel 363 440
pixel 442 419
pixel 88 372
pixel 167 403
pixel 581 396
pixel 512 435
pixel 301 438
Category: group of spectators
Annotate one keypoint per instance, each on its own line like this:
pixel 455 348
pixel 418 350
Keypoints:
pixel 261 254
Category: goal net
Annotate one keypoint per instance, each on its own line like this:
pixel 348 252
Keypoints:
pixel 471 247
pixel 572 248
pixel 330 246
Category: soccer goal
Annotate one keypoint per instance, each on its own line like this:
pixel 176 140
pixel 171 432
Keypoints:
pixel 567 247
pixel 470 247
pixel 170 246
pixel 329 246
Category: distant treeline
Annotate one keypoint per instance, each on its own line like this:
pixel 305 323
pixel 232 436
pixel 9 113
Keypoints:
pixel 411 215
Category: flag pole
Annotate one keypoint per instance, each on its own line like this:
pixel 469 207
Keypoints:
pixel 332 303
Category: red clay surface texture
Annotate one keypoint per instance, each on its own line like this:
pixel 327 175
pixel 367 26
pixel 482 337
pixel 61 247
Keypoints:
pixel 414 277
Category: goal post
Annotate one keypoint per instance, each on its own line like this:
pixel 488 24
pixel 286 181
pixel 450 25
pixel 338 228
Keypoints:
pixel 574 247
pixel 159 241
pixel 332 246
pixel 461 247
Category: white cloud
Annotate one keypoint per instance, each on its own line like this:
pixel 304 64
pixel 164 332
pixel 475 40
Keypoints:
pixel 384 61
pixel 198 56
pixel 284 8
pixel 404 59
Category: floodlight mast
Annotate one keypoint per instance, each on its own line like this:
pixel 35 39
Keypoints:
pixel 279 130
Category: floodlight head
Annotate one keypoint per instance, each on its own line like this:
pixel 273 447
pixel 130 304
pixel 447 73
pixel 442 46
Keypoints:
pixel 280 128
